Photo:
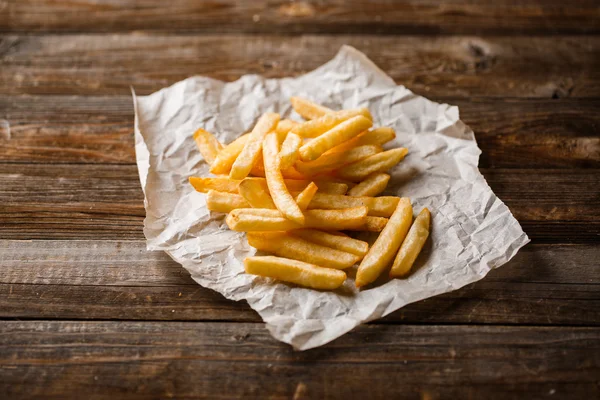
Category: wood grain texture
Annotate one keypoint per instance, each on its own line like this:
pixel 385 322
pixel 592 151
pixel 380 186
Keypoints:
pixel 316 16
pixel 543 285
pixel 87 201
pixel 461 66
pixel 132 360
pixel 512 133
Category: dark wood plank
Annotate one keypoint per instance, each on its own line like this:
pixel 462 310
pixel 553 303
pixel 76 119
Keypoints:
pixel 462 67
pixel 543 284
pixel 87 201
pixel 517 133
pixel 317 16
pixel 131 360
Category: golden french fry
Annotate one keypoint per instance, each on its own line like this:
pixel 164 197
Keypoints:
pixel 227 156
pixel 203 185
pixel 279 192
pixel 298 249
pixel 305 197
pixel 382 252
pixel 372 186
pixel 289 150
pixel 208 145
pixel 295 271
pixel 333 240
pixel 378 206
pixel 298 185
pixel 317 127
pixel 255 193
pixel 380 162
pixel 224 202
pixel 372 224
pixel 243 164
pixel 258 171
pixel 286 125
pixel 330 161
pixel 333 137
pixel 262 220
pixel 412 245
pixel 377 136
pixel 307 109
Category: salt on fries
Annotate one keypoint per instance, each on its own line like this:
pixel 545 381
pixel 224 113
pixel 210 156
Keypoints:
pixel 293 186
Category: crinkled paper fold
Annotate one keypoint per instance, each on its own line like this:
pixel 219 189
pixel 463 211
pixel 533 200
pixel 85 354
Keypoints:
pixel 472 230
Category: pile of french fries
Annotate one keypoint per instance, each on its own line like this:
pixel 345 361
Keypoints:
pixel 293 186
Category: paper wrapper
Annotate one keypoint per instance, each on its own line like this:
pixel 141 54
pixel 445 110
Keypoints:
pixel 472 230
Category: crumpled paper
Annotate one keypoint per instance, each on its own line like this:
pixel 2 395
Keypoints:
pixel 472 230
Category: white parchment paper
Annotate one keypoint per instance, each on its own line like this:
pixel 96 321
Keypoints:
pixel 472 230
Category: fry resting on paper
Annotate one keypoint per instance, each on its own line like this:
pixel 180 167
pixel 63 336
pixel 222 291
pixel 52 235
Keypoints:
pixel 333 240
pixel 284 245
pixel 372 186
pixel 380 162
pixel 307 109
pixel 385 247
pixel 412 245
pixel 208 145
pixel 293 271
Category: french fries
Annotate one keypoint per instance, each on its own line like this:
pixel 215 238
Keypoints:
pixel 372 186
pixel 281 196
pixel 208 145
pixel 333 240
pixel 293 271
pixel 224 202
pixel 377 137
pixel 305 197
pixel 386 245
pixel 286 185
pixel 226 157
pixel 317 127
pixel 221 184
pixel 249 220
pixel 380 162
pixel 307 109
pixel 333 137
pixel 412 245
pixel 378 206
pixel 287 246
pixel 246 159
pixel 255 193
pixel 289 150
pixel 330 161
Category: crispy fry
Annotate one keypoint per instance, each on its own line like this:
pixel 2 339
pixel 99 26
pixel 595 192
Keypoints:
pixel 255 193
pixel 382 252
pixel 333 137
pixel 330 161
pixel 372 186
pixel 307 109
pixel 203 185
pixel 279 192
pixel 305 197
pixel 289 150
pixel 412 245
pixel 378 206
pixel 243 164
pixel 261 220
pixel 208 145
pixel 285 125
pixel 224 202
pixel 377 136
pixel 227 156
pixel 380 162
pixel 298 185
pixel 372 224
pixel 317 127
pixel 298 249
pixel 294 271
pixel 333 240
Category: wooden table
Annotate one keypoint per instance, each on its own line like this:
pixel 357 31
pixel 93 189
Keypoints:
pixel 87 312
